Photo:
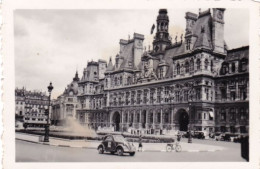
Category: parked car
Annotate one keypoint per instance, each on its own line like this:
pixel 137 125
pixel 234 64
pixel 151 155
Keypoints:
pixel 116 144
pixel 199 134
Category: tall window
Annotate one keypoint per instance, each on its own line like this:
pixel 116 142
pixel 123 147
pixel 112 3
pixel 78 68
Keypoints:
pixel 198 64
pixel 207 93
pixel 151 96
pixel 115 81
pixel 115 102
pixel 127 98
pixel 159 95
pixel 187 67
pixel 233 67
pixel 128 80
pixel 243 65
pixel 206 64
pixel 232 114
pixel 186 95
pixel 132 97
pixel 119 101
pixel 243 93
pixel 211 66
pixel 223 94
pixel 145 97
pixel 166 94
pixel 138 97
pixel 188 44
pixel 192 65
pixel 177 96
pixel 158 117
pixel 198 94
pixel 166 117
pixel 233 95
pixel 242 114
pixel 178 69
pixel 121 80
pixel 161 72
pixel 138 117
pixel 223 115
pixel 151 117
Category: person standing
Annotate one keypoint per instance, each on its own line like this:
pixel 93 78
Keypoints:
pixel 140 146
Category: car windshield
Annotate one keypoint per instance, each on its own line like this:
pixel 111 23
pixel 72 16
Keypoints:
pixel 119 138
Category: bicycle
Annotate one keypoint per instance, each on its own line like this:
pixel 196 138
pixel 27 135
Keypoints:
pixel 170 147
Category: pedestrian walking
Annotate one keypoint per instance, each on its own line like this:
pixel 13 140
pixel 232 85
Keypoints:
pixel 179 136
pixel 140 146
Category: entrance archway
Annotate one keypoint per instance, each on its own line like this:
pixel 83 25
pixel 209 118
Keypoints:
pixel 183 120
pixel 116 121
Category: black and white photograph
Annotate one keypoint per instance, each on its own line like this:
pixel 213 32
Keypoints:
pixel 159 84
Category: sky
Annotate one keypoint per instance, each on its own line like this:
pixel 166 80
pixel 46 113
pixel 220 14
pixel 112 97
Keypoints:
pixel 50 45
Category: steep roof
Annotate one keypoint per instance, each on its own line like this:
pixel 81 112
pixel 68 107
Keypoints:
pixel 110 66
pixel 238 53
pixel 127 55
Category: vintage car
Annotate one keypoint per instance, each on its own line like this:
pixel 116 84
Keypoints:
pixel 199 134
pixel 116 144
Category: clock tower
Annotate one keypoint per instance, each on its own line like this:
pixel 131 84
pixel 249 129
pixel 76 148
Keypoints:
pixel 218 30
pixel 161 39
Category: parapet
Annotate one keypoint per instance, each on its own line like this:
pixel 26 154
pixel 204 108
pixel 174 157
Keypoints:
pixel 192 16
pixel 138 36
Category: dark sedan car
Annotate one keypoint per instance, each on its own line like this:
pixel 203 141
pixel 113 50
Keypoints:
pixel 116 144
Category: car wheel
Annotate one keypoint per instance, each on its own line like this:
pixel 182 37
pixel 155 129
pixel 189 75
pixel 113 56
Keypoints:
pixel 132 154
pixel 100 150
pixel 120 151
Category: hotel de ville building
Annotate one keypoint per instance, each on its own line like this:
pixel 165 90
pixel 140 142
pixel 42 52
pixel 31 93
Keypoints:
pixel 195 83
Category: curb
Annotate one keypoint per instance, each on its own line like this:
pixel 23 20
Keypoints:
pixel 60 145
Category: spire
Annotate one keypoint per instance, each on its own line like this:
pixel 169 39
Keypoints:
pixel 76 78
pixel 109 66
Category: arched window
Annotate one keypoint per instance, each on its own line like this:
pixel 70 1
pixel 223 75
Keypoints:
pixel 198 64
pixel 192 65
pixel 178 69
pixel 206 64
pixel 187 66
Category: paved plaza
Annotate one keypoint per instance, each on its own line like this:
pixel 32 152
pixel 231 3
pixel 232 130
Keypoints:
pixel 61 150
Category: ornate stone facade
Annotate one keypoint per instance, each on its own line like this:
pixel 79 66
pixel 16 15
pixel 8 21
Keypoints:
pixel 30 106
pixel 66 104
pixel 193 83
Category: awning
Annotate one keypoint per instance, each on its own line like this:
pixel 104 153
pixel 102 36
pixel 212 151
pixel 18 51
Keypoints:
pixel 211 114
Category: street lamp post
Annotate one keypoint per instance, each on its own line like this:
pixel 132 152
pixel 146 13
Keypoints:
pixel 189 138
pixel 47 127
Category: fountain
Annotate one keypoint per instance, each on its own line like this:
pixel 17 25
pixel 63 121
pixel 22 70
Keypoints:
pixel 72 127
